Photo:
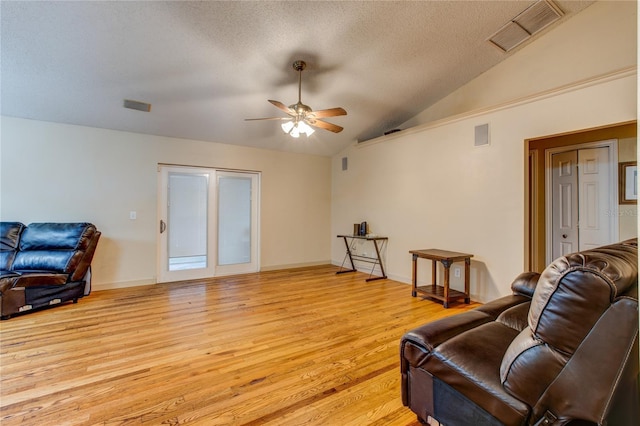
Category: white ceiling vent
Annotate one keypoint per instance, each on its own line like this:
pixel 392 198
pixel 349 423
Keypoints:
pixel 532 20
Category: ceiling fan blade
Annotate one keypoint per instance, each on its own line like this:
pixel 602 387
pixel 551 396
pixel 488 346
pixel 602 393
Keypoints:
pixel 324 125
pixel 269 118
pixel 331 112
pixel 282 106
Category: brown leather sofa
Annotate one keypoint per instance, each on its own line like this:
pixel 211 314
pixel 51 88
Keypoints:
pixel 44 264
pixel 562 349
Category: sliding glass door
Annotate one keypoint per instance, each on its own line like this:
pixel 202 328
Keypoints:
pixel 208 223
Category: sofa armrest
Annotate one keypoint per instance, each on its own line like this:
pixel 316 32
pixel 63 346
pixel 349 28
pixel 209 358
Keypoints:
pixel 525 284
pixel 430 335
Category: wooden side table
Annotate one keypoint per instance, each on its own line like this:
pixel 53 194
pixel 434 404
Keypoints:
pixel 442 293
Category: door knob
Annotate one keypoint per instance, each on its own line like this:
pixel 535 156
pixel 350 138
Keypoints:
pixel 564 235
pixel 163 226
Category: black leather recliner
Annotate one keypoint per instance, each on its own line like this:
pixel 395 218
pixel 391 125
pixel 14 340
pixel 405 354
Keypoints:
pixel 563 349
pixel 44 264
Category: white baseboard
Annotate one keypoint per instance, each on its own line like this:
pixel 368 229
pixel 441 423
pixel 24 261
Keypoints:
pixel 121 284
pixel 293 265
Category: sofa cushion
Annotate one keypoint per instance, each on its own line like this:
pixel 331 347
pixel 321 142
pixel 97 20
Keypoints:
pixel 580 285
pixel 55 236
pixel 572 295
pixel 59 261
pixel 470 363
pixel 55 247
pixel 515 317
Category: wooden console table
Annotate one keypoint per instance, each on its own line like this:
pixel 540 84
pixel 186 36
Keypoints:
pixel 377 260
pixel 442 293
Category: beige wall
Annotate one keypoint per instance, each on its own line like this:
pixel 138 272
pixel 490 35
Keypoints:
pixel 58 172
pixel 433 188
pixel 430 187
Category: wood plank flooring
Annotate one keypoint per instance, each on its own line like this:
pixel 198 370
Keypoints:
pixel 293 347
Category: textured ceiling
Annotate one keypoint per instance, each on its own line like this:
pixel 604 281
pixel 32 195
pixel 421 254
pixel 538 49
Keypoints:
pixel 206 66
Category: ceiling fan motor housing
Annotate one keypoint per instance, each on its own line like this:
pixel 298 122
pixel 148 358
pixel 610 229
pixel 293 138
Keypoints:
pixel 299 65
pixel 301 109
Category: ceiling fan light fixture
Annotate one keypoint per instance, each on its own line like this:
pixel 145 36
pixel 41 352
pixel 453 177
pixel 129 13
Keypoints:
pixel 287 126
pixel 295 129
pixel 304 128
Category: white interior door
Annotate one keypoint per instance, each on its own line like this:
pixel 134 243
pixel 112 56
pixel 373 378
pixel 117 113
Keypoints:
pixel 581 210
pixel 208 223
pixel 565 203
pixel 595 198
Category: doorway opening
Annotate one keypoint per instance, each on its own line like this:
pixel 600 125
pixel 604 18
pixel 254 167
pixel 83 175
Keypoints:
pixel 537 186
pixel 580 196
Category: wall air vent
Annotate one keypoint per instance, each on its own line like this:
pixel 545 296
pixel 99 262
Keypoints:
pixel 137 105
pixel 521 28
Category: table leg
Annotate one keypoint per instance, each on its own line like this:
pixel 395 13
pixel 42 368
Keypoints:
pixel 375 244
pixel 434 278
pixel 447 270
pixel 353 267
pixel 414 283
pixel 467 275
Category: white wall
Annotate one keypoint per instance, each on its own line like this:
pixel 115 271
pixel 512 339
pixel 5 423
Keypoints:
pixel 58 172
pixel 430 187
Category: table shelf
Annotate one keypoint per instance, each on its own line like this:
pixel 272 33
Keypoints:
pixel 437 292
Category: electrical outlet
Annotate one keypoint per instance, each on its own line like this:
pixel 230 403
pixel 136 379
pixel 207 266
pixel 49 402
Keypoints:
pixel 456 272
pixel 133 215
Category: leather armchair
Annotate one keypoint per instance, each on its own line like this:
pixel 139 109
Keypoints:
pixel 562 349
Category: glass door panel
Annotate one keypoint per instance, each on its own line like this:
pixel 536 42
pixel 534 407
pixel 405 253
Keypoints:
pixel 188 213
pixel 187 227
pixel 237 223
pixel 234 220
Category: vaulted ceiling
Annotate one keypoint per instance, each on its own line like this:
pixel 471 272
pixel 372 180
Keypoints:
pixel 206 66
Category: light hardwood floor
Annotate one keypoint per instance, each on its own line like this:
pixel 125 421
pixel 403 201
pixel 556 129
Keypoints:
pixel 294 347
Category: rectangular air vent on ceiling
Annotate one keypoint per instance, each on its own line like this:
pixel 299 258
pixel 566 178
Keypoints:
pixel 531 21
pixel 137 105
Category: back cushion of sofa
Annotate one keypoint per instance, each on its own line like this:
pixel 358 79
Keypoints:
pixel 56 247
pixel 576 289
pixel 570 298
pixel 54 236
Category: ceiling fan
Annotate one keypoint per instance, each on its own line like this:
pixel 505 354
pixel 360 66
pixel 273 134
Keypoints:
pixel 301 116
